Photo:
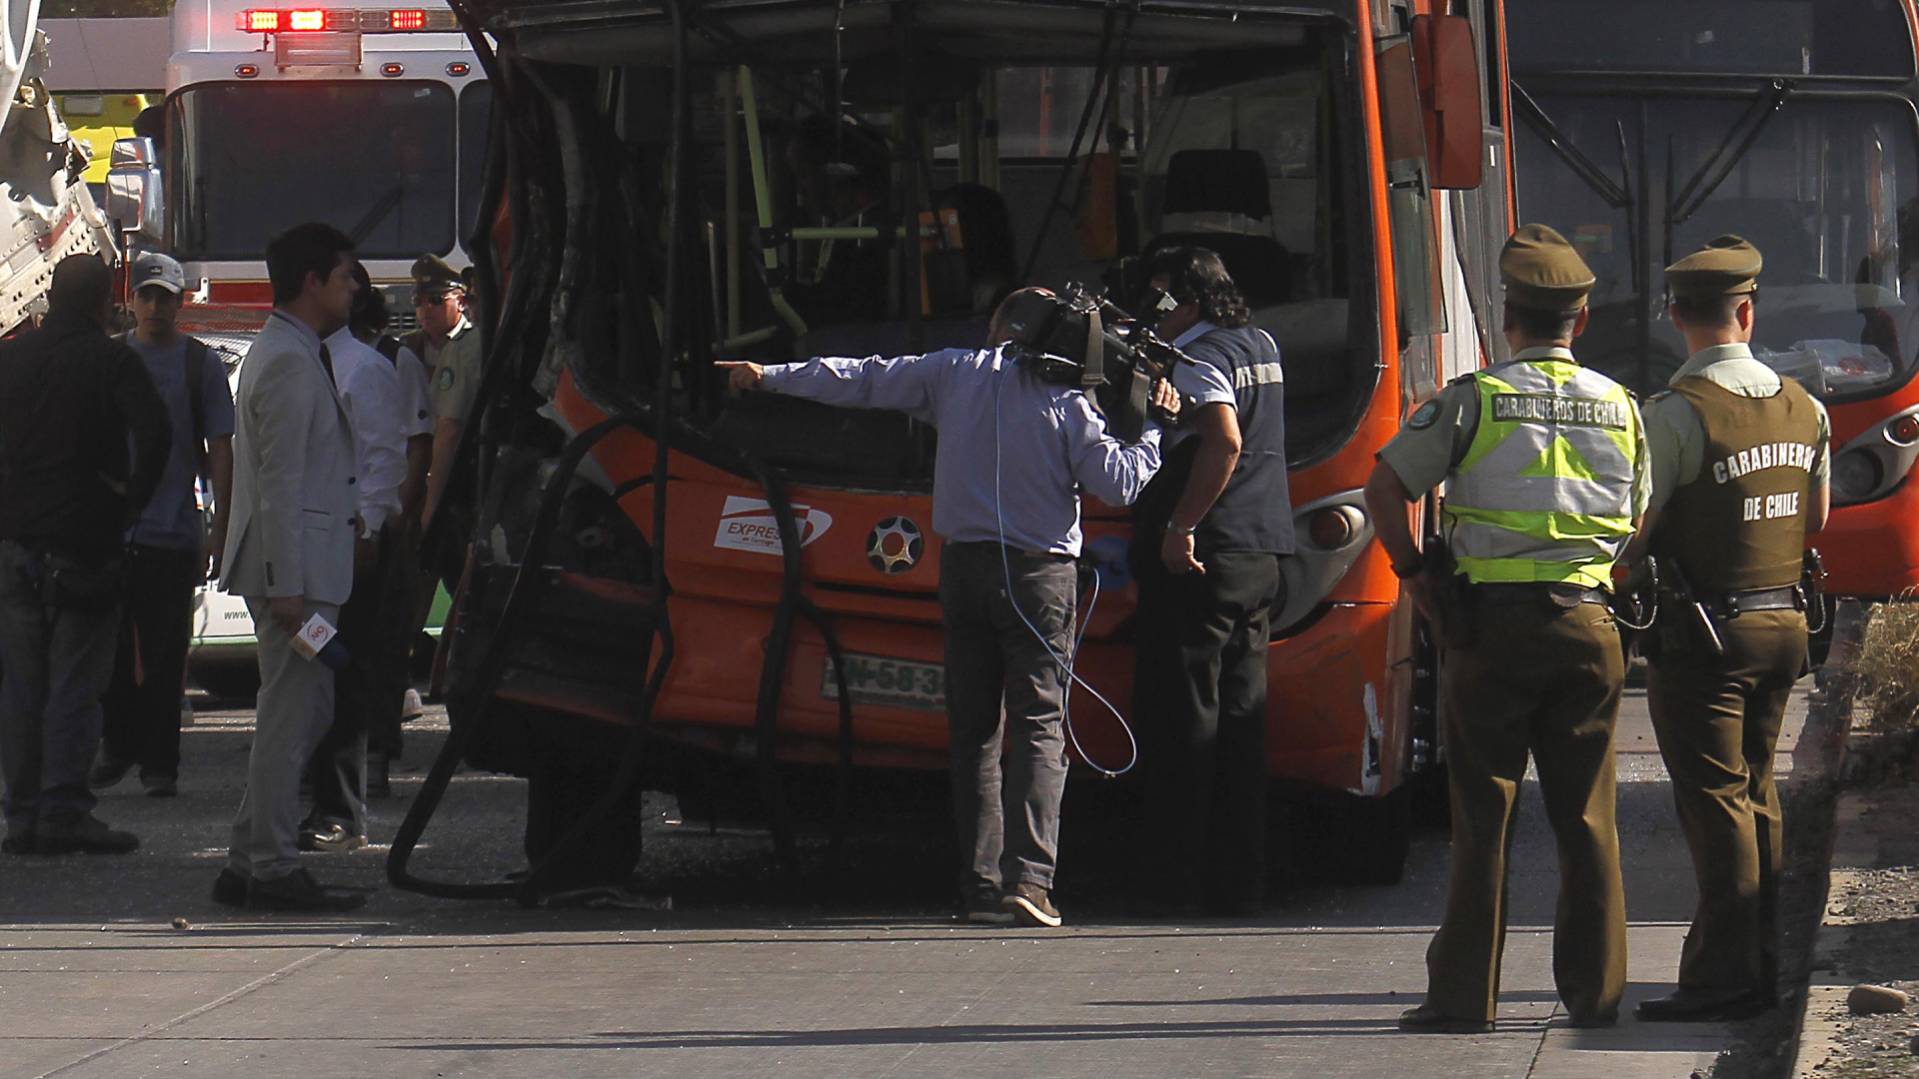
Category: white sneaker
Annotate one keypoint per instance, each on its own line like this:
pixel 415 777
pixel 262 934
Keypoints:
pixel 412 708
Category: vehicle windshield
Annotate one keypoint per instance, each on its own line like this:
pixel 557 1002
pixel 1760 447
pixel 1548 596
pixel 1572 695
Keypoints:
pixel 375 159
pixel 1239 153
pixel 1825 189
pixel 476 108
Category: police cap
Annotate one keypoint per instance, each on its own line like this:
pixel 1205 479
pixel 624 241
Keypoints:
pixel 432 274
pixel 1543 272
pixel 1727 266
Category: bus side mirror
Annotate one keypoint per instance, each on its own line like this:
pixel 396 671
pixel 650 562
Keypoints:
pixel 133 188
pixel 1450 92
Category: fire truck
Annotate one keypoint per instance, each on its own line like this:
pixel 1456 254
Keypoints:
pixel 687 581
pixel 371 119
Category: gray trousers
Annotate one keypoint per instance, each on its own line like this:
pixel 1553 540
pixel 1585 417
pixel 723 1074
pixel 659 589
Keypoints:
pixel 56 663
pixel 998 670
pixel 295 709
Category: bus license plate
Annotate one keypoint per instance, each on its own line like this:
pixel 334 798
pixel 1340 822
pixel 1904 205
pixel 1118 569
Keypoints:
pixel 892 683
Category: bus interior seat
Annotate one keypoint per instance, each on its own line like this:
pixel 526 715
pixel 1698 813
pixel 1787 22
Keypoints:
pixel 986 239
pixel 1205 186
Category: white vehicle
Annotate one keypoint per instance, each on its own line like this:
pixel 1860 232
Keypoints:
pixel 371 119
pixel 46 212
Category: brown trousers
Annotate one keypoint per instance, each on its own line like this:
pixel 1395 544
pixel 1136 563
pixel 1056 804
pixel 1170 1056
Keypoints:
pixel 1543 681
pixel 1717 719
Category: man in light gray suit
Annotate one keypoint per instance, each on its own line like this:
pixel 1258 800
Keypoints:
pixel 290 549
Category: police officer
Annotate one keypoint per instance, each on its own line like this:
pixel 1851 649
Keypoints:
pixel 1739 479
pixel 1212 527
pixel 451 348
pixel 1546 470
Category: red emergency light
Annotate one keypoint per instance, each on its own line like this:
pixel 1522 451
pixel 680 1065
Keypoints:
pixel 363 20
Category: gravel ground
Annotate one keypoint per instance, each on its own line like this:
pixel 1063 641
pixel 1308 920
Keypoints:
pixel 1879 909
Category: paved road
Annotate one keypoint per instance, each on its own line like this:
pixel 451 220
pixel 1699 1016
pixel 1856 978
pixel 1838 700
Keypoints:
pixel 858 974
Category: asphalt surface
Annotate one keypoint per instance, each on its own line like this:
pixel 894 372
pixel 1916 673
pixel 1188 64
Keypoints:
pixel 847 968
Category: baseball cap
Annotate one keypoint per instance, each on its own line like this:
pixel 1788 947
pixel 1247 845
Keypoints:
pixel 154 268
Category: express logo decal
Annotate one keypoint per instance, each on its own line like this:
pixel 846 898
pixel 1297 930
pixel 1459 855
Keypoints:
pixel 748 524
pixel 895 545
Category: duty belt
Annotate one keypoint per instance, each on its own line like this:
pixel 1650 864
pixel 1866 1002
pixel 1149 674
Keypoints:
pixel 1733 604
pixel 1529 591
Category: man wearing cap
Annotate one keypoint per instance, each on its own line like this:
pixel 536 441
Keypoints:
pixel 1546 470
pixel 451 348
pixel 1739 479
pixel 171 548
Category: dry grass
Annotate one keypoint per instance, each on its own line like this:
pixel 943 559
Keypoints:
pixel 1888 665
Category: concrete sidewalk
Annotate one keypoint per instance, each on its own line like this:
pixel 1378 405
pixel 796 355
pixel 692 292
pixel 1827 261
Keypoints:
pixel 747 978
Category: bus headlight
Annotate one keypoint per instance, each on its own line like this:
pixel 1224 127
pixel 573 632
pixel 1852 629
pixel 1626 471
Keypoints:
pixel 1875 463
pixel 1854 475
pixel 1329 535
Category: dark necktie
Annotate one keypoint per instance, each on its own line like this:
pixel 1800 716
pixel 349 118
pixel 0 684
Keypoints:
pixel 326 361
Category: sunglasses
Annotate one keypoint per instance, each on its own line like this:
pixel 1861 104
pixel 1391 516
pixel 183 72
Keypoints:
pixel 429 299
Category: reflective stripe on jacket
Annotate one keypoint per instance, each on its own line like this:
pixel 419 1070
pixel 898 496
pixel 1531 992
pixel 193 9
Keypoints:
pixel 1544 491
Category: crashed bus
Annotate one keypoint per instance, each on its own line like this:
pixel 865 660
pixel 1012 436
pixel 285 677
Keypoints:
pixel 681 579
pixel 1645 129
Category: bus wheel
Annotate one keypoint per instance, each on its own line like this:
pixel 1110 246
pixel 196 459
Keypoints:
pixel 1350 839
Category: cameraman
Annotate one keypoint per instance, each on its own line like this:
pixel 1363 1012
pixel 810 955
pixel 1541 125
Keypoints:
pixel 1212 527
pixel 1015 453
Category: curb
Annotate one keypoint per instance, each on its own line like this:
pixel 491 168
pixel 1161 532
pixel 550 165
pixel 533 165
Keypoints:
pixel 1864 759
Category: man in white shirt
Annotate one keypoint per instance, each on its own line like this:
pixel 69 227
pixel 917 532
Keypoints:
pixel 374 394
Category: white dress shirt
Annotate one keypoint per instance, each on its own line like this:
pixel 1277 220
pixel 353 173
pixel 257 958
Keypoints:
pixel 416 394
pixel 371 389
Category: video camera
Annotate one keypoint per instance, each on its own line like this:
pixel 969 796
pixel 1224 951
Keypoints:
pixel 1081 340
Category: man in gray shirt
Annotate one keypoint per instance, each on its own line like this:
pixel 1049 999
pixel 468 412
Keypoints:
pixel 1015 454
pixel 170 548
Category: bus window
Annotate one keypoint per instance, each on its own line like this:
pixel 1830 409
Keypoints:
pixel 1824 188
pixel 1422 308
pixel 1237 151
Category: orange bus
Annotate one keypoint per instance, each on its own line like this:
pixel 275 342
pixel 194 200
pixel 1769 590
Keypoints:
pixel 1647 128
pixel 1344 156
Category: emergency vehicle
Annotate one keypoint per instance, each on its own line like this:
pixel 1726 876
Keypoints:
pixel 755 578
pixel 372 119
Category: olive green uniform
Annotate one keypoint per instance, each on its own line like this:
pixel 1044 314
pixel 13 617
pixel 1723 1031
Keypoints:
pixel 455 372
pixel 1717 717
pixel 1546 471
pixel 1537 680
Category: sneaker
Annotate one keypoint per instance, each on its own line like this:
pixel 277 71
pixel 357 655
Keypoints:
pixel 1028 903
pixel 107 772
pixel 412 707
pixel 299 891
pixel 332 838
pixel 159 786
pixel 88 835
pixel 230 889
pixel 985 905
